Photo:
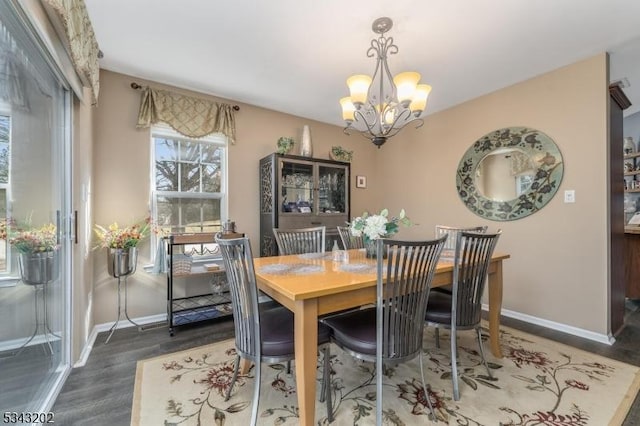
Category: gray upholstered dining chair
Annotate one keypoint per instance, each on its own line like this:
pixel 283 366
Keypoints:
pixel 301 240
pixel 349 241
pixel 462 309
pixel 261 335
pixel 392 332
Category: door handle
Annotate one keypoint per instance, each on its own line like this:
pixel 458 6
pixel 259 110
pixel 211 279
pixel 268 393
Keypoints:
pixel 75 226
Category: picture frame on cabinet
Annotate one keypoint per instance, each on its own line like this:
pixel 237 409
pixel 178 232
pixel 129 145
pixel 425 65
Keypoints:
pixel 361 181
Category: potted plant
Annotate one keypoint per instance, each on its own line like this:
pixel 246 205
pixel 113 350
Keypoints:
pixel 121 244
pixel 338 153
pixel 284 144
pixel 37 249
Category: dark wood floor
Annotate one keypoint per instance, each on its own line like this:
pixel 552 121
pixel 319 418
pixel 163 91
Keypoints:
pixel 25 374
pixel 100 393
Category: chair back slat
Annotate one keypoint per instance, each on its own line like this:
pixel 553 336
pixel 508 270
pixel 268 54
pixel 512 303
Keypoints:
pixel 453 232
pixel 404 281
pixel 349 241
pixel 470 272
pixel 238 264
pixel 299 241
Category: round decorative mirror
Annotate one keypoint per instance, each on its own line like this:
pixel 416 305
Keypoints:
pixel 509 173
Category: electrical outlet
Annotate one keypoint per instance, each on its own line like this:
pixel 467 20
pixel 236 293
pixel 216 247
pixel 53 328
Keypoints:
pixel 569 196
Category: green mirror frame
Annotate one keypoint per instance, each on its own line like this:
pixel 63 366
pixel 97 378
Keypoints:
pixel 543 152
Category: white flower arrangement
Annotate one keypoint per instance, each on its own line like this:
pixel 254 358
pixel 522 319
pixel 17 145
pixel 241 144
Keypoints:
pixel 372 227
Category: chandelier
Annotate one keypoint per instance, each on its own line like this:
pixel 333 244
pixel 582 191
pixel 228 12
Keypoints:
pixel 380 106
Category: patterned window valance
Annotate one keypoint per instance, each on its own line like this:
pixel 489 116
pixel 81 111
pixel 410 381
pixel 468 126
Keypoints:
pixel 192 117
pixel 82 41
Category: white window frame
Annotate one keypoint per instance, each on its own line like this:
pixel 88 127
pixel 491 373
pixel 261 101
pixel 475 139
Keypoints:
pixel 8 273
pixel 217 139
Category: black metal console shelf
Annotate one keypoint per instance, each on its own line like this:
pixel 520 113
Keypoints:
pixel 201 307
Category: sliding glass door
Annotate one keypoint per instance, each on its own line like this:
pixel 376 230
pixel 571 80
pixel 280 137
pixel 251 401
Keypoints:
pixel 34 252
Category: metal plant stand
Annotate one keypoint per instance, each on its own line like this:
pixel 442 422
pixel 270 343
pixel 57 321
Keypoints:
pixel 121 263
pixel 38 270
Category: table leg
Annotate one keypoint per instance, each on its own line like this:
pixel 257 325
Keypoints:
pixel 306 348
pixel 495 307
pixel 245 365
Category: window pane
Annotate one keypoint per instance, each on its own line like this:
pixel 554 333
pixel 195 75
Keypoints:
pixel 188 214
pixel 4 163
pixel 189 151
pixel 211 178
pixel 166 167
pixel 3 243
pixel 4 128
pixel 4 148
pixel 189 177
pixel 166 149
pixel 211 154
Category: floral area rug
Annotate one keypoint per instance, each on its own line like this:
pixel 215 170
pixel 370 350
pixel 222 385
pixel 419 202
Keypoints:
pixel 538 382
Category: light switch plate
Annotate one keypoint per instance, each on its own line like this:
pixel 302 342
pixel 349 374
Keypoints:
pixel 569 196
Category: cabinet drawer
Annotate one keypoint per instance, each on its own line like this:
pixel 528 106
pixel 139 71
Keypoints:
pixel 294 222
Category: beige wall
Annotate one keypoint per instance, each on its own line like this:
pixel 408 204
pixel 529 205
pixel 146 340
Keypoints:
pixel 558 269
pixel 121 178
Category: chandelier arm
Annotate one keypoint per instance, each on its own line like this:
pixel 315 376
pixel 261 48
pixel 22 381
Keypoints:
pixel 369 126
pixel 403 115
pixel 396 130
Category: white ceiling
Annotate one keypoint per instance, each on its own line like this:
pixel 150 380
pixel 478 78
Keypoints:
pixel 294 56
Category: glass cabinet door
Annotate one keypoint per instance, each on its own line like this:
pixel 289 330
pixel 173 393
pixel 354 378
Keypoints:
pixel 296 187
pixel 332 196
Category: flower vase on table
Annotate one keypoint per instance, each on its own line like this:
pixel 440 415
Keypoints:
pixel 371 227
pixel 371 249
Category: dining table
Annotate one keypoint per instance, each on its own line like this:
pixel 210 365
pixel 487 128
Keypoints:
pixel 315 284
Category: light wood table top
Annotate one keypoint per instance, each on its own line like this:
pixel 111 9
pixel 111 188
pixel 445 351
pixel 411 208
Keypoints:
pixel 313 284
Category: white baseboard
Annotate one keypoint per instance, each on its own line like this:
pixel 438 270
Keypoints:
pixel 86 349
pixel 88 346
pixel 580 332
pixel 14 344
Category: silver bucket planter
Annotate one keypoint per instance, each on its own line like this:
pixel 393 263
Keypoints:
pixel 122 262
pixel 38 268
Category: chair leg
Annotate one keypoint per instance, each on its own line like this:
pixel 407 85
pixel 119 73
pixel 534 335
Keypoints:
pixel 484 359
pixel 426 392
pixel 256 395
pixel 454 365
pixel 323 388
pixel 233 380
pixel 289 367
pixel 326 383
pixel 437 331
